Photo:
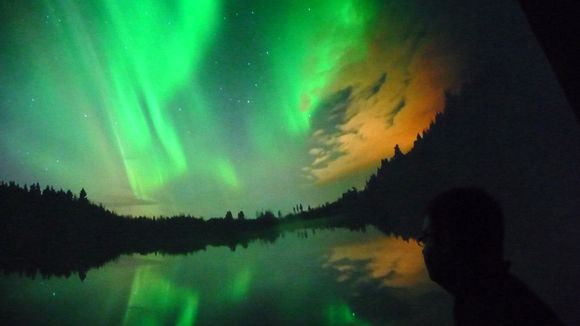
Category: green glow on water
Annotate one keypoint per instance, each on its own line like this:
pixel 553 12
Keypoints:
pixel 189 313
pixel 157 301
pixel 341 314
pixel 241 285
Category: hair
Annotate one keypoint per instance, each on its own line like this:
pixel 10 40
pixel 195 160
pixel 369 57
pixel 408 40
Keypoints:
pixel 473 222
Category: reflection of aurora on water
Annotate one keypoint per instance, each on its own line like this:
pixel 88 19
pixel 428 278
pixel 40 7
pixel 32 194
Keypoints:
pixel 289 282
pixel 157 300
pixel 156 297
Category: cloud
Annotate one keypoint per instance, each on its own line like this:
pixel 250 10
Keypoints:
pixel 376 87
pixel 394 112
pixel 316 151
pixel 331 110
pixel 385 100
pixel 320 159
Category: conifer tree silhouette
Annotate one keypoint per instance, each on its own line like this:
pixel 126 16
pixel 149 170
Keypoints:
pixel 83 195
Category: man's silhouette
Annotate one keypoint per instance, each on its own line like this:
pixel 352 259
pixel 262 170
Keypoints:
pixel 462 247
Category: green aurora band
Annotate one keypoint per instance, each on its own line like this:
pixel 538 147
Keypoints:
pixel 316 50
pixel 138 79
pixel 123 98
pixel 143 89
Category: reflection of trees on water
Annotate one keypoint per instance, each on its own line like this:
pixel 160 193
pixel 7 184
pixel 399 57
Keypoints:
pixel 56 233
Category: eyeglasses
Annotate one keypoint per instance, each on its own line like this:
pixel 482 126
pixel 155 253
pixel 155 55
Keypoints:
pixel 422 238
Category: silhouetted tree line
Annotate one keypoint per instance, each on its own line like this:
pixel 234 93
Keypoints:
pixel 485 138
pixel 57 232
pixel 50 232
pixel 36 223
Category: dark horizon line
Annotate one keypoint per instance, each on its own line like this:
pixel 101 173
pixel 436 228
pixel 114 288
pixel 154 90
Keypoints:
pixel 75 197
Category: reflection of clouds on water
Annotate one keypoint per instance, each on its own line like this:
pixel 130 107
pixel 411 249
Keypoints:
pixel 384 281
pixel 394 262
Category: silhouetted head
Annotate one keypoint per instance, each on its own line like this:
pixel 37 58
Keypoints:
pixel 462 236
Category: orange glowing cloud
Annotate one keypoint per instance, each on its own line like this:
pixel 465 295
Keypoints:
pixel 381 112
pixel 394 262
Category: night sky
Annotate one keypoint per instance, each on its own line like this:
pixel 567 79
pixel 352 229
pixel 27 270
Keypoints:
pixel 198 107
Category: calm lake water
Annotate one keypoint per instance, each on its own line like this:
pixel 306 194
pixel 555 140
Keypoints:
pixel 307 277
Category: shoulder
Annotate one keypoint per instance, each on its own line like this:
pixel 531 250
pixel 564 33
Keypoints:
pixel 522 306
pixel 504 301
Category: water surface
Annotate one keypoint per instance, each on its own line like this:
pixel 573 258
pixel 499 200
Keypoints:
pixel 306 277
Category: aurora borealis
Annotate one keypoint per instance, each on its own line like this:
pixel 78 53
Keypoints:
pixel 198 107
pixel 201 106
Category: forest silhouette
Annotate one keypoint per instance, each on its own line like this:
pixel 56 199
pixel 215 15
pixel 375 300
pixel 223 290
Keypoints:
pixel 57 233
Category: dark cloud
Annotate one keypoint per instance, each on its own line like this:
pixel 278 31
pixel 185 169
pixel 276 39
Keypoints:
pixel 331 110
pixel 376 87
pixel 394 112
